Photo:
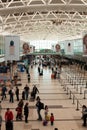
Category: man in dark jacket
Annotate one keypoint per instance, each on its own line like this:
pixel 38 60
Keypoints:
pixel 26 112
pixel 84 115
pixel 35 91
pixel 38 105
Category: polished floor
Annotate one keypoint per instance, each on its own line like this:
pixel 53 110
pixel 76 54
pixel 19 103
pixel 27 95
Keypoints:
pixel 65 107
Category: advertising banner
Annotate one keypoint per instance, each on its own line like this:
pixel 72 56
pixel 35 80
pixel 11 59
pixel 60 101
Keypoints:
pixel 85 45
pixel 69 47
pixel 11 47
pixel 26 48
pixel 57 48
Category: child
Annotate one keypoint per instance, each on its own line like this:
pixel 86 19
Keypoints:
pixel 52 119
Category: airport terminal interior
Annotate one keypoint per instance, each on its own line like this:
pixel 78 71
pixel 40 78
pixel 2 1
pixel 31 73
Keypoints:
pixel 43 64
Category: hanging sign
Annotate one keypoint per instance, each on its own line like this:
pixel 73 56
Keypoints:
pixel 11 47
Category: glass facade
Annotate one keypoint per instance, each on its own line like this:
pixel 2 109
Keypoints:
pixel 78 45
pixel 2 46
pixel 42 44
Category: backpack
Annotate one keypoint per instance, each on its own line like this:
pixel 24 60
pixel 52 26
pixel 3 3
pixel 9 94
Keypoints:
pixel 41 105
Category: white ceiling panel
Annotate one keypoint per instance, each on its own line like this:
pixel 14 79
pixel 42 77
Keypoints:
pixel 44 19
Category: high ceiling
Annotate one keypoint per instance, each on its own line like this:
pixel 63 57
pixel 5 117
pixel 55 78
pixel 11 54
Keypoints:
pixel 44 19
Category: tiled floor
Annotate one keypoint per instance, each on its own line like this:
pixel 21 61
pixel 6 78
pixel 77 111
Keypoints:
pixel 53 95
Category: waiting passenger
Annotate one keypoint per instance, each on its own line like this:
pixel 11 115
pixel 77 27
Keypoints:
pixel 19 113
pixel 9 119
pixel 35 89
pixel 38 105
pixel 26 88
pixel 26 112
pixel 84 115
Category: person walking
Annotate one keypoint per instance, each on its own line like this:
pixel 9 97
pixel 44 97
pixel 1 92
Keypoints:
pixel 35 91
pixel 9 119
pixel 26 112
pixel 39 69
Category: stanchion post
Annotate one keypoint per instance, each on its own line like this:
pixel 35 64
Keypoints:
pixel 68 78
pixel 84 95
pixel 67 91
pixel 11 72
pixel 64 87
pixel 80 90
pixel 77 87
pixel 74 84
pixel 70 95
pixel 86 85
pixel 77 105
pixel 73 99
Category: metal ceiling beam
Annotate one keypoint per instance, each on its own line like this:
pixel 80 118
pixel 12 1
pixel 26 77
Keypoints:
pixel 43 8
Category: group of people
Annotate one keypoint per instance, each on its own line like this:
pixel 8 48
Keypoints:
pixel 16 92
pixel 21 107
pixel 47 117
pixel 9 116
